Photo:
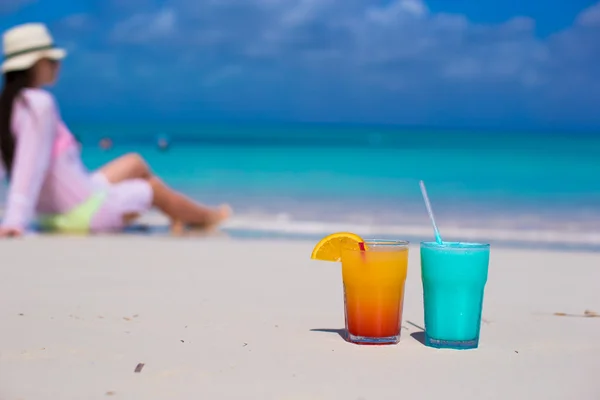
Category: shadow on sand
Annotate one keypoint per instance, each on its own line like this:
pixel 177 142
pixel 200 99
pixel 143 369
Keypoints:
pixel 419 337
pixel 340 332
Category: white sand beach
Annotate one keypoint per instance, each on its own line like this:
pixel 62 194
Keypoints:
pixel 217 318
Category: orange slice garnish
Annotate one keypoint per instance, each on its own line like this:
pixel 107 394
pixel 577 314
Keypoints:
pixel 330 247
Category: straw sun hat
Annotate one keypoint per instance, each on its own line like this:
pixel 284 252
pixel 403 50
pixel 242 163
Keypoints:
pixel 26 44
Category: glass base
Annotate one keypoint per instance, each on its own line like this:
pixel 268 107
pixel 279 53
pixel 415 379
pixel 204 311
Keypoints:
pixel 451 344
pixel 372 340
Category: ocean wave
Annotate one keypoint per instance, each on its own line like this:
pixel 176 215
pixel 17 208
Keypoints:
pixel 510 231
pixel 284 224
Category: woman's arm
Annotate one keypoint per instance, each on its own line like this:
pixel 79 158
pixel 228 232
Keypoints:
pixel 34 141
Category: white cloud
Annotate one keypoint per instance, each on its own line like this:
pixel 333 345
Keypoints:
pixel 221 75
pixel 146 27
pixel 400 38
pixel 401 50
pixel 302 12
pixel 76 21
pixel 462 68
pixel 8 6
pixel 590 17
pixel 396 11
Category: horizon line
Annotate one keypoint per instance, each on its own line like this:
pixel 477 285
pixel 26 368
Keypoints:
pixel 349 125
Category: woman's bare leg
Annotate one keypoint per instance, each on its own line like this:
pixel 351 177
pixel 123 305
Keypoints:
pixel 179 208
pixel 182 210
pixel 128 166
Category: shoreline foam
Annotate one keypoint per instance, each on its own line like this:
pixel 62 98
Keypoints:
pixel 517 232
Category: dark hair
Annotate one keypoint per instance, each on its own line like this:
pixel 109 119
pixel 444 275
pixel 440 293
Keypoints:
pixel 14 82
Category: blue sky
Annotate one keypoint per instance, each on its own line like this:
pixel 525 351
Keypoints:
pixel 493 64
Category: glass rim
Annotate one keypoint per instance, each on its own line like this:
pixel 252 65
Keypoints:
pixel 456 245
pixel 386 242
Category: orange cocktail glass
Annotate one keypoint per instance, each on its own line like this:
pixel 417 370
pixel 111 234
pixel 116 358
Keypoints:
pixel 374 291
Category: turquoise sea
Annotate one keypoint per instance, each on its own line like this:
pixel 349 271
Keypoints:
pixel 529 188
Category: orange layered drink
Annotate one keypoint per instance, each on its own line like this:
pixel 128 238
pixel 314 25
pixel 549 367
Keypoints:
pixel 373 273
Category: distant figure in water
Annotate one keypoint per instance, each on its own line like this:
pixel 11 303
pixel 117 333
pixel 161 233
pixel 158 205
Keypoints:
pixel 163 143
pixel 47 180
pixel 106 143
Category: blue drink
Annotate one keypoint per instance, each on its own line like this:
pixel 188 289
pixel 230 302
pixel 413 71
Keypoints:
pixel 454 276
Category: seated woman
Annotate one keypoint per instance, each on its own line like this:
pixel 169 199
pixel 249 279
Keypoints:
pixel 42 160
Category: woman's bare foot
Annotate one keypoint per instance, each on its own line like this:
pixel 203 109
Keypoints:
pixel 177 227
pixel 216 217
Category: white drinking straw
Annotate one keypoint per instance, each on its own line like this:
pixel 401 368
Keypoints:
pixel 438 238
